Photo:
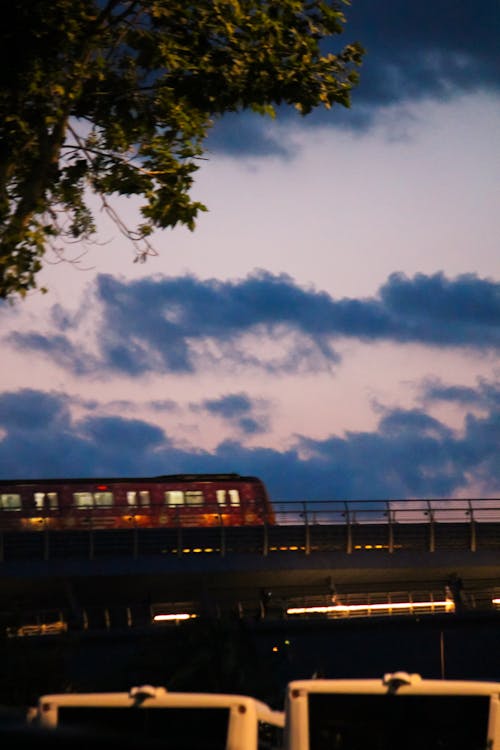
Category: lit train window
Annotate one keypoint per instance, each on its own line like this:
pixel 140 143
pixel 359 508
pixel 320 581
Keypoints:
pixel 51 497
pixel 178 497
pixel 103 499
pixel 138 498
pixel 90 499
pixel 10 501
pixel 83 500
pixel 234 497
pixel 174 497
pixel 221 497
pixel 193 497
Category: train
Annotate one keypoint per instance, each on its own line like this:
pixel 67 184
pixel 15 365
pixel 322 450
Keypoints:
pixel 143 502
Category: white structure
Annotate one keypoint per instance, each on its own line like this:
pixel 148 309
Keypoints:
pixel 232 722
pixel 399 711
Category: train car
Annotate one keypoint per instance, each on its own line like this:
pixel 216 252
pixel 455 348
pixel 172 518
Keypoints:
pixel 144 502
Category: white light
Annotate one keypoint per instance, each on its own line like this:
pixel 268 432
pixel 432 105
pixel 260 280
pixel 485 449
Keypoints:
pixel 369 607
pixel 179 616
pixel 496 600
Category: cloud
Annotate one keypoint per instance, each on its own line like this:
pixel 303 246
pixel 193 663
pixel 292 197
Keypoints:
pixel 165 404
pixel 485 394
pixel 58 348
pixel 414 51
pixel 239 410
pixel 41 438
pixel 33 411
pixel 184 325
pixel 409 455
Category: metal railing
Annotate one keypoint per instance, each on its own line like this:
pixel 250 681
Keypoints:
pixel 351 527
pixel 284 605
pixel 258 540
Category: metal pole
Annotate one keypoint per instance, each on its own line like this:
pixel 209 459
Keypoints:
pixel 432 535
pixel 179 532
pixel 441 654
pixel 307 530
pixel 391 528
pixel 135 542
pixel 348 529
pixel 473 537
pixel 222 536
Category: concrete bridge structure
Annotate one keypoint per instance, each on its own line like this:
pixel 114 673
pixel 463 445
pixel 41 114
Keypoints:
pixel 227 569
pixel 249 608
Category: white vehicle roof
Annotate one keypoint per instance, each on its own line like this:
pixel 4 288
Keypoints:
pixel 402 682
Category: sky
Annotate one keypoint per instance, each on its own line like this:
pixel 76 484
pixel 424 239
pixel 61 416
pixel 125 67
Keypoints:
pixel 333 323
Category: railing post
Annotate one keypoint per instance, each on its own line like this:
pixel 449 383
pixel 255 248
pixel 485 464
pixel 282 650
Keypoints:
pixel 179 540
pixel 307 530
pixel 90 527
pixel 222 536
pixel 390 529
pixel 135 542
pixel 432 531
pixel 473 537
pixel 265 539
pixel 46 545
pixel 348 528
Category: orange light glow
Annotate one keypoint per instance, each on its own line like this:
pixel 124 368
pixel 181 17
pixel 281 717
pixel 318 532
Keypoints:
pixel 385 606
pixel 35 521
pixel 173 617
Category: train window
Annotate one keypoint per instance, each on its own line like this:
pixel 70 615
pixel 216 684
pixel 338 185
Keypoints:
pixel 46 499
pixel 83 500
pixel 144 498
pixel 221 497
pixel 234 497
pixel 90 499
pixel 103 499
pixel 174 497
pixel 10 501
pixel 194 497
pixel 138 498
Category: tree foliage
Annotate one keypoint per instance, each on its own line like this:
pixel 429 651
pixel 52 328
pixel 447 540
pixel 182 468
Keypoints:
pixel 116 97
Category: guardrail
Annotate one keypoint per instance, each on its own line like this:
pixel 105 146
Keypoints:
pixel 283 605
pixel 342 512
pixel 304 533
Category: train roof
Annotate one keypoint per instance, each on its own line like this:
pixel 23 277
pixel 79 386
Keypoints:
pixel 215 477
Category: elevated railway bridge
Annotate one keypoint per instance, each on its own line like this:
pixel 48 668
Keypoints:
pixel 315 559
pixel 340 589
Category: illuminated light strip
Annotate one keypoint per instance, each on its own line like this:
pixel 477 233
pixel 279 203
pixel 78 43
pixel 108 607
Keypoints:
pixel 496 600
pixel 180 616
pixel 369 607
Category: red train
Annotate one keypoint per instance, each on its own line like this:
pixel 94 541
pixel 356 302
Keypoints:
pixel 119 503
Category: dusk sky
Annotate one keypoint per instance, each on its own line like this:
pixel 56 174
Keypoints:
pixel 333 323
